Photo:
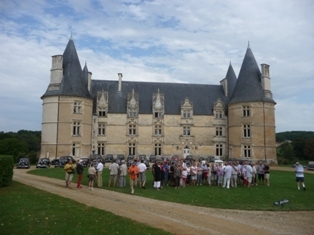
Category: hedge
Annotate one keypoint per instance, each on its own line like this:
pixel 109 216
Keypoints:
pixel 6 170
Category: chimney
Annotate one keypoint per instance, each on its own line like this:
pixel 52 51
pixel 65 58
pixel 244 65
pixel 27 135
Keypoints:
pixel 56 71
pixel 265 79
pixel 120 81
pixel 89 80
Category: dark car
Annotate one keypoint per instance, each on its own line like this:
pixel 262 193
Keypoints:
pixel 120 157
pixel 54 161
pixel 63 160
pixel 310 166
pixel 143 157
pixel 43 163
pixel 23 163
pixel 85 161
pixel 129 160
pixel 96 158
pixel 175 159
pixel 189 159
pixel 109 158
pixel 152 158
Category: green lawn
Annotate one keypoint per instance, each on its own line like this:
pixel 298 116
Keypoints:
pixel 259 197
pixel 27 210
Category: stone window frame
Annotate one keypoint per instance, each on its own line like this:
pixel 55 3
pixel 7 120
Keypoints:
pixel 219 149
pixel 158 148
pixel 186 130
pixel 158 129
pixel 77 107
pixel 247 133
pixel 102 128
pixel 76 148
pixel 76 128
pixel 219 131
pixel 101 146
pixel 247 151
pixel 132 129
pixel 246 111
pixel 132 148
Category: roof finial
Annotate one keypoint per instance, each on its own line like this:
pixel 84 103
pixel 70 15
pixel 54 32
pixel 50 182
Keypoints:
pixel 248 45
pixel 71 36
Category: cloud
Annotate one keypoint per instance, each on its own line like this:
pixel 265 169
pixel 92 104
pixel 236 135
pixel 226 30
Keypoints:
pixel 161 40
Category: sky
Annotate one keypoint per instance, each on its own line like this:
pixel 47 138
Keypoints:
pixel 191 41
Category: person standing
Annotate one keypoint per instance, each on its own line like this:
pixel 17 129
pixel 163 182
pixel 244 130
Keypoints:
pixel 267 174
pixel 79 170
pixel 249 175
pixel 157 176
pixel 299 173
pixel 114 170
pixel 69 171
pixel 91 176
pixel 99 169
pixel 123 172
pixel 227 175
pixel 142 173
pixel 260 173
pixel 133 171
pixel 177 175
pixel 234 175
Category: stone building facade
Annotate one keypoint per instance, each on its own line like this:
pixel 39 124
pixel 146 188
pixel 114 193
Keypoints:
pixel 83 116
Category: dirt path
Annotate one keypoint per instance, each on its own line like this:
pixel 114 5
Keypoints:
pixel 178 218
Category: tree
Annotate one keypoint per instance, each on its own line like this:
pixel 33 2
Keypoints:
pixel 12 146
pixel 298 146
pixel 309 149
pixel 286 151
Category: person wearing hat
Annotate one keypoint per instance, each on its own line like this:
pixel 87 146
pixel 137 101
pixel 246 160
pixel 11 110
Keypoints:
pixel 79 170
pixel 123 172
pixel 133 171
pixel 299 173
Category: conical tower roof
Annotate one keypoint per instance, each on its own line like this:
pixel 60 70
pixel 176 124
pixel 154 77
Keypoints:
pixel 248 87
pixel 231 80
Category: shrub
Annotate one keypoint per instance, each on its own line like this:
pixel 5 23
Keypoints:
pixel 6 170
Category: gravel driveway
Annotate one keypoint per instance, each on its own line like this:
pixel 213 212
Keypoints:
pixel 177 218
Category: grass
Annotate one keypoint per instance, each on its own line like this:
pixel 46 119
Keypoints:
pixel 27 210
pixel 259 197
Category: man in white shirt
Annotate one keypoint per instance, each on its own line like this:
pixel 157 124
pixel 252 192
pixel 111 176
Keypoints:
pixel 249 172
pixel 142 174
pixel 299 173
pixel 99 170
pixel 227 175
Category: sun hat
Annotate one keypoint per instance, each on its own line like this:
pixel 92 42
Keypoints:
pixel 297 163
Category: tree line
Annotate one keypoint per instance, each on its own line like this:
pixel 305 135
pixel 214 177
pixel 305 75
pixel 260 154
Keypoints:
pixel 296 145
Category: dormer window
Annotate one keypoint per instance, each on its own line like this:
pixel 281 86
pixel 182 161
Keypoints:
pixel 186 108
pixel 132 105
pixel 102 103
pixel 186 114
pixel 218 114
pixel 158 105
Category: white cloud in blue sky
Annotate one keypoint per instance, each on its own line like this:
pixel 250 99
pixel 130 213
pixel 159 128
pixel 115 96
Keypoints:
pixel 162 40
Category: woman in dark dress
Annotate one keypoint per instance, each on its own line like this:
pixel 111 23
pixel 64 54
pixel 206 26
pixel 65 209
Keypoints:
pixel 157 175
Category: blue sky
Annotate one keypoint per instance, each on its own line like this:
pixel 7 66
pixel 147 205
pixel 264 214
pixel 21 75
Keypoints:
pixel 162 40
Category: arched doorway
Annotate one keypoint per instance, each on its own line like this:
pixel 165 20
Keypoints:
pixel 186 151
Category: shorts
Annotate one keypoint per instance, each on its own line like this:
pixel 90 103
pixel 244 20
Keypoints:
pixel 267 176
pixel 133 182
pixel 193 177
pixel 142 177
pixel 249 179
pixel 299 179
pixel 91 178
pixel 261 176
pixel 113 177
pixel 156 184
pixel 68 177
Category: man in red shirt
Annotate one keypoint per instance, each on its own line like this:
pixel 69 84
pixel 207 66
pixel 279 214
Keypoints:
pixel 133 171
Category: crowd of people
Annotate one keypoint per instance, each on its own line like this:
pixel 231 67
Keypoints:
pixel 180 174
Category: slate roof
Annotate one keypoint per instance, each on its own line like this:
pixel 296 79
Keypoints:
pixel 248 87
pixel 202 96
pixel 73 82
pixel 231 80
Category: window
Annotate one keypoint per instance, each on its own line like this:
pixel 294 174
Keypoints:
pixel 132 129
pixel 101 113
pixel 246 111
pixel 157 149
pixel 186 130
pixel 76 128
pixel 157 129
pixel 218 114
pixel 77 108
pixel 186 114
pixel 218 131
pixel 157 114
pixel 75 149
pixel 219 149
pixel 246 131
pixel 101 129
pixel 247 151
pixel 131 148
pixel 132 114
pixel 101 148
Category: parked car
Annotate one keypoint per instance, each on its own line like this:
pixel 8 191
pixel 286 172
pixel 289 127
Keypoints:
pixel 129 160
pixel 54 161
pixel 43 163
pixel 310 166
pixel 189 159
pixel 152 158
pixel 143 157
pixel 109 158
pixel 23 163
pixel 64 160
pixel 97 158
pixel 175 159
pixel 120 157
pixel 85 161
